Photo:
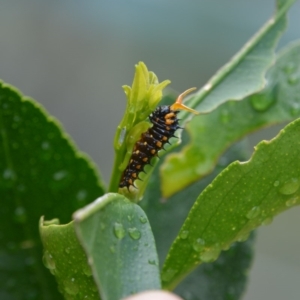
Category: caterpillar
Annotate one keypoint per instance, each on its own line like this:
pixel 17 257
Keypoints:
pixel 164 124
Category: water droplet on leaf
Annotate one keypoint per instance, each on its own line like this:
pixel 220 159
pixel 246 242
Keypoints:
pixel 243 237
pixel 199 245
pixel 81 195
pixel 152 262
pixel 87 270
pixel 276 183
pixel 134 233
pixel 262 101
pixel 184 234
pixel 210 254
pixel 49 261
pixel 119 230
pixel 267 221
pixel 292 201
pixel 143 219
pixel 253 212
pixel 60 175
pixel 290 186
pixel 71 287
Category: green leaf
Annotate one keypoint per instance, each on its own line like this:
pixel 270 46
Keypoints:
pixel 226 276
pixel 119 244
pixel 41 173
pixel 211 134
pixel 244 74
pixel 66 260
pixel 243 197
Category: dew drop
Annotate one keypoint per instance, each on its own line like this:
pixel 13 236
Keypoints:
pixel 67 250
pixel 60 175
pixel 49 261
pixel 134 233
pixel 167 275
pixel 87 270
pixel 143 219
pixel 292 201
pixel 290 187
pixel 198 245
pixel 276 183
pixel 261 102
pixel 267 221
pixel 211 254
pixel 243 237
pixel 9 175
pixel 45 145
pixel 20 215
pixel 184 234
pixel 253 212
pixel 119 230
pixel 152 262
pixel 71 286
pixel 81 195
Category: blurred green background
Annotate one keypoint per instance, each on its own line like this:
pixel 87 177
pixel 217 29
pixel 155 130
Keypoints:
pixel 74 56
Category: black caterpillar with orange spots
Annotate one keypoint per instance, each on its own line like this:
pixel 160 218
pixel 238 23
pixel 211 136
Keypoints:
pixel 164 124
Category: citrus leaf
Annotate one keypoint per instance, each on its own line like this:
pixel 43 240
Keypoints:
pixel 243 197
pixel 244 74
pixel 41 173
pixel 228 275
pixel 119 244
pixel 66 260
pixel 226 278
pixel 211 134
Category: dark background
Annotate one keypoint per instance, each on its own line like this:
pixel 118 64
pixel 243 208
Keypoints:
pixel 74 56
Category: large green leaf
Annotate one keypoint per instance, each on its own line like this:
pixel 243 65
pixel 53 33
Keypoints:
pixel 211 134
pixel 244 196
pixel 226 276
pixel 66 260
pixel 41 173
pixel 245 73
pixel 119 244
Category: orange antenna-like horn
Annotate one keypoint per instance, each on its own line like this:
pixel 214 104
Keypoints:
pixel 178 103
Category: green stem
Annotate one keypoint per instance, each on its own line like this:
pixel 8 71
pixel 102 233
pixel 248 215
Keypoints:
pixel 116 173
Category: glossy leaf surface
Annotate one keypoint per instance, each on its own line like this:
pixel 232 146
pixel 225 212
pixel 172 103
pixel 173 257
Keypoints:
pixel 41 173
pixel 245 73
pixel 217 280
pixel 119 244
pixel 243 197
pixel 211 134
pixel 66 260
